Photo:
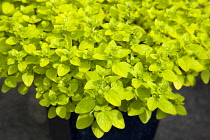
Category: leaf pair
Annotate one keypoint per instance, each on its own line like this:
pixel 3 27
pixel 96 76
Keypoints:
pixel 105 120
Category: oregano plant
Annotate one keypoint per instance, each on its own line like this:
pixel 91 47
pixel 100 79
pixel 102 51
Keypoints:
pixel 99 58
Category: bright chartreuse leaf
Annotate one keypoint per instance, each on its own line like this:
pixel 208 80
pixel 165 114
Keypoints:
pixel 61 111
pixel 97 131
pixel 11 40
pixel 61 52
pixel 136 82
pixel 138 68
pixel 63 69
pixel 75 61
pixel 205 76
pixel 169 75
pixel 84 121
pixel 123 93
pixel 102 71
pixel 44 102
pixel 84 67
pixel 154 67
pixel 111 46
pixel 52 95
pixel 113 97
pixel 93 75
pixel 86 45
pixel 179 83
pixel 100 56
pixel 23 89
pixel 91 84
pixel 28 79
pixel 191 79
pixel 197 66
pixel 8 8
pixel 62 99
pixel 85 105
pixel 166 106
pixel 152 103
pixel 12 69
pixel 51 73
pixel 22 66
pixel 52 112
pixel 177 70
pixel 30 48
pixel 185 63
pixel 104 122
pixel 121 69
pixel 44 62
pixel 145 116
pixel 169 95
pixel 122 53
pixel 180 109
pixel 11 81
pixel 142 49
pixel 4 47
pixel 117 119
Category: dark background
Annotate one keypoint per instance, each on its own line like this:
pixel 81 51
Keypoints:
pixel 22 118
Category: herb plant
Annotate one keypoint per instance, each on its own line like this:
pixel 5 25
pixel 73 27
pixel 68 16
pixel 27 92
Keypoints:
pixel 99 58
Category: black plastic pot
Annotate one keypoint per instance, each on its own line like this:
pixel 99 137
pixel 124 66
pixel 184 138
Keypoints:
pixel 134 130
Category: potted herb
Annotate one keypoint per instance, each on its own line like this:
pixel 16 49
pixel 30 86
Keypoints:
pixel 99 58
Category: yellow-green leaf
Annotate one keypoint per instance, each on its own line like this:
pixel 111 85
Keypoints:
pixel 28 79
pixel 23 89
pixel 44 62
pixel 11 40
pixel 185 63
pixel 152 103
pixel 145 116
pixel 61 111
pixel 51 74
pixel 121 69
pixel 75 61
pixel 12 69
pixel 205 76
pixel 8 8
pixel 136 82
pixel 22 66
pixel 117 119
pixel 30 48
pixel 11 81
pixel 63 69
pixel 97 131
pixel 135 108
pixel 166 106
pixel 84 121
pixel 181 110
pixel 169 75
pixel 113 97
pixel 52 112
pixel 85 105
pixel 104 121
pixel 160 114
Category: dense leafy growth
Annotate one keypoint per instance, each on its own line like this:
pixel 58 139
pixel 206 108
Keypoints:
pixel 101 57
